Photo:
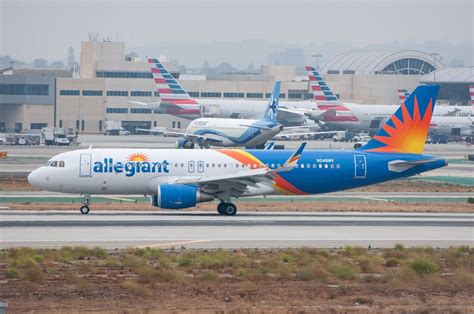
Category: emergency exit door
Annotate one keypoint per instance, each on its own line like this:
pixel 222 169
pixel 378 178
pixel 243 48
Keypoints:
pixel 85 165
pixel 360 165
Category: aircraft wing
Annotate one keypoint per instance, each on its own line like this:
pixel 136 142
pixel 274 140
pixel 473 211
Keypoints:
pixel 285 135
pixel 254 126
pixel 291 114
pixel 235 184
pixel 183 134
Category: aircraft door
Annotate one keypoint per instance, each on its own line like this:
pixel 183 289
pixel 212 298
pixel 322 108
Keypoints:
pixel 85 166
pixel 360 165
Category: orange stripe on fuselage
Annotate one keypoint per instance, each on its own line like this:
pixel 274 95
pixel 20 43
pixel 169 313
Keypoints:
pixel 246 158
pixel 243 157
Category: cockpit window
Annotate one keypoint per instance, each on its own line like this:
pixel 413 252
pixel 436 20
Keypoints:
pixel 54 163
pixel 61 164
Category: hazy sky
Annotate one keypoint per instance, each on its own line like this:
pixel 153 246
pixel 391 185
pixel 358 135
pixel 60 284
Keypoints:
pixel 31 29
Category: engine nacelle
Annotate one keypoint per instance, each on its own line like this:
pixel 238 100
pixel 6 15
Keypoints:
pixel 184 143
pixel 178 196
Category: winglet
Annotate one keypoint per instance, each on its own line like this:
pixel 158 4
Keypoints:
pixel 293 160
pixel 403 94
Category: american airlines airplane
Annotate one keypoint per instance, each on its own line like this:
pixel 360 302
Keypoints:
pixel 365 118
pixel 175 180
pixel 324 109
pixel 175 100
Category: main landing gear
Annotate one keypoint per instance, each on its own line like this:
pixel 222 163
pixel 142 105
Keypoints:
pixel 227 209
pixel 85 204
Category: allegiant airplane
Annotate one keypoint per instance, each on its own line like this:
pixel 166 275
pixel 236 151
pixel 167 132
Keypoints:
pixel 177 180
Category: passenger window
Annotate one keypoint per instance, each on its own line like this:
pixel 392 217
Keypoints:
pixel 61 164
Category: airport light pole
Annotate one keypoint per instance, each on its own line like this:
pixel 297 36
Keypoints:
pixel 434 55
pixel 317 56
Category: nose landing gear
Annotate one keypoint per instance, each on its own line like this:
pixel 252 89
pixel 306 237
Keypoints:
pixel 226 209
pixel 85 207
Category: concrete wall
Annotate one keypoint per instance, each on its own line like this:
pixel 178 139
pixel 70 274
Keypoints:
pixel 92 109
pixel 25 115
pixel 371 89
pixel 97 51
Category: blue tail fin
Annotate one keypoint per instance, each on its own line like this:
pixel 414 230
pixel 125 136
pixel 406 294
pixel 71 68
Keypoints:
pixel 272 107
pixel 407 128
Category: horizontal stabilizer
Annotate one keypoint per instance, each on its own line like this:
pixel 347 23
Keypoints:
pixel 403 165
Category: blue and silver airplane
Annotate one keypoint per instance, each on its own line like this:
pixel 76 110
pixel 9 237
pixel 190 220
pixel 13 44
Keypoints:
pixel 177 180
pixel 206 132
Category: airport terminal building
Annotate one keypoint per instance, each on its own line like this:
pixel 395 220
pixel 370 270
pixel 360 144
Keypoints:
pixel 107 82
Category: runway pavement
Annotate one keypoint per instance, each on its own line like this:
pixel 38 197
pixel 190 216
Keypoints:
pixel 167 229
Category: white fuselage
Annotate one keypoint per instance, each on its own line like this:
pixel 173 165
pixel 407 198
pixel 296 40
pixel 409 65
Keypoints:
pixel 234 132
pixel 135 171
pixel 370 117
pixel 238 108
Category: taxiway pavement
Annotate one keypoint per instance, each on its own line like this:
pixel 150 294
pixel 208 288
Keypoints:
pixel 165 229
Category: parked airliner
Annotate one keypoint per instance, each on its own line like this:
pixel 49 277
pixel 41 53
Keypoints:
pixel 207 132
pixel 175 100
pixel 357 117
pixel 324 108
pixel 177 180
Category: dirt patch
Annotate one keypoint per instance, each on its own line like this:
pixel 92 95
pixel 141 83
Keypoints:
pixel 277 281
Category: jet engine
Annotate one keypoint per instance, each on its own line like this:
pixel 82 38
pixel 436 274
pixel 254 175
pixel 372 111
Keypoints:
pixel 184 143
pixel 178 196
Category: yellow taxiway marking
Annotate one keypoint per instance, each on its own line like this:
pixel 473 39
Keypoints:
pixel 172 243
pixel 119 199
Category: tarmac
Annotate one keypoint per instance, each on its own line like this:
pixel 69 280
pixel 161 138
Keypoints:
pixel 208 230
pixel 344 196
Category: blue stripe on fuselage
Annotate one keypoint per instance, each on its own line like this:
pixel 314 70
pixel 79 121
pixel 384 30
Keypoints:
pixel 322 180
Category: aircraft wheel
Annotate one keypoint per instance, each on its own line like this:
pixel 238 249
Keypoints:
pixel 230 209
pixel 85 209
pixel 220 208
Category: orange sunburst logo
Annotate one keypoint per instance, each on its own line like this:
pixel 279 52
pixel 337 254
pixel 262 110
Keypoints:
pixel 407 135
pixel 138 157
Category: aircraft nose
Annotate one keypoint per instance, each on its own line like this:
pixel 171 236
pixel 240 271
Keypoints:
pixel 33 178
